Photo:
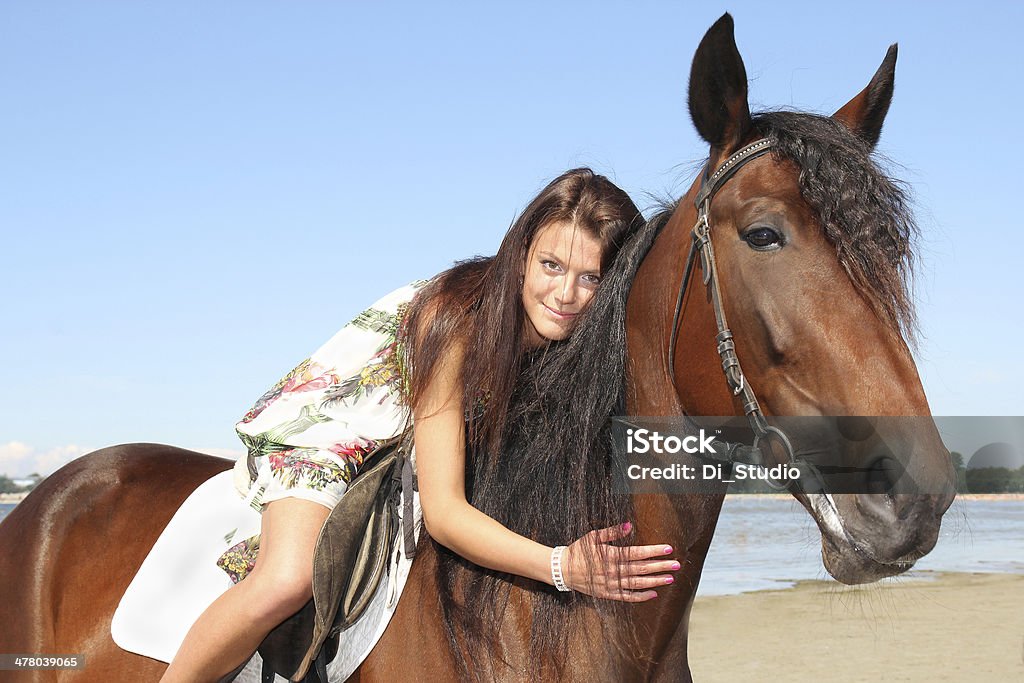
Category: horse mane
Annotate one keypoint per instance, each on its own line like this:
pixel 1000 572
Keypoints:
pixel 552 482
pixel 864 213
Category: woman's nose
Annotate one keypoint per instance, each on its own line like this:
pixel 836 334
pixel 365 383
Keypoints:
pixel 566 293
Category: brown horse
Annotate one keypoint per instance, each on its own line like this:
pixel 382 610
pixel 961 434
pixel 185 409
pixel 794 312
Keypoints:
pixel 810 241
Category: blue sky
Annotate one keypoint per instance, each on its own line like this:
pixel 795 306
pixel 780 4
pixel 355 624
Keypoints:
pixel 194 196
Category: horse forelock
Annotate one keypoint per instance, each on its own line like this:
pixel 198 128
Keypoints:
pixel 864 213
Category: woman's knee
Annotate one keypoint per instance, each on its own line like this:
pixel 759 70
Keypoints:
pixel 283 574
pixel 279 594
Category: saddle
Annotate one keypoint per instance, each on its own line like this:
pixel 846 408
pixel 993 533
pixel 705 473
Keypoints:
pixel 350 559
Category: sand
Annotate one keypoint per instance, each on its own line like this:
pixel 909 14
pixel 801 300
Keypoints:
pixel 957 627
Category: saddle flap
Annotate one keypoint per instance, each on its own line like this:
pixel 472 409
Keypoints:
pixel 352 549
pixel 371 558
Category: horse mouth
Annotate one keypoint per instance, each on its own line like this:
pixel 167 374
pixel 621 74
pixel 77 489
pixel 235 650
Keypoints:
pixel 844 558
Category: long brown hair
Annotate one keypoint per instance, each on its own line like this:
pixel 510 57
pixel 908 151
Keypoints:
pixel 579 382
pixel 479 301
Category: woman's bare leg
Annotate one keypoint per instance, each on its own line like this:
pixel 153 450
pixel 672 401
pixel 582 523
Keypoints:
pixel 280 584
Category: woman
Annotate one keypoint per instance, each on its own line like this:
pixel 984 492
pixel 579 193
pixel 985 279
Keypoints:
pixel 462 336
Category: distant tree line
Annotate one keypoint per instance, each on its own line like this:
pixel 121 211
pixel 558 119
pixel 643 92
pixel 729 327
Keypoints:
pixel 987 479
pixel 7 484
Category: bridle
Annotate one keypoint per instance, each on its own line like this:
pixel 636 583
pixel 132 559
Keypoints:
pixel 701 245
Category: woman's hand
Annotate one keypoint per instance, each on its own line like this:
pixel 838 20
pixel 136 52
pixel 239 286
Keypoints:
pixel 628 573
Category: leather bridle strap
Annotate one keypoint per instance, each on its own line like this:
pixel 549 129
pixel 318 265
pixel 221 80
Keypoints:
pixel 701 234
pixel 710 185
pixel 701 244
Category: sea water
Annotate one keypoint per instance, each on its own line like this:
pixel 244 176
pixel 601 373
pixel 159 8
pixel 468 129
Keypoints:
pixel 764 543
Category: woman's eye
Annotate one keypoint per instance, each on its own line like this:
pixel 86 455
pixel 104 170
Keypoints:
pixel 593 280
pixel 763 238
pixel 550 265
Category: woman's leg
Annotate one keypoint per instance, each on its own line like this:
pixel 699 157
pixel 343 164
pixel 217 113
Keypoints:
pixel 280 584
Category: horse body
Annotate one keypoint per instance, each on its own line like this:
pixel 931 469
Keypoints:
pixel 72 547
pixel 812 337
pixel 416 632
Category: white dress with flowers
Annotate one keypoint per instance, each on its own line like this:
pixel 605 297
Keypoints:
pixel 310 432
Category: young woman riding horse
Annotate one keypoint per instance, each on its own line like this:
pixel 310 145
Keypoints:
pixel 464 337
pixel 811 244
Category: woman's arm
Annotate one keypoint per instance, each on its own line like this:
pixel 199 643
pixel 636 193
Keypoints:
pixel 439 432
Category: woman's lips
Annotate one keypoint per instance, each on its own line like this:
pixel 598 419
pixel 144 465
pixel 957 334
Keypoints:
pixel 557 315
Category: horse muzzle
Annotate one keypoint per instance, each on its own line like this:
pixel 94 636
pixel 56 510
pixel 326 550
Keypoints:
pixel 866 537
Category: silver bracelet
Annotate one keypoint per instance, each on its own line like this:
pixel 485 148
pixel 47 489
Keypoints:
pixel 556 568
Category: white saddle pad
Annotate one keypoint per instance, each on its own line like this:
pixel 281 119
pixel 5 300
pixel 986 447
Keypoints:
pixel 179 579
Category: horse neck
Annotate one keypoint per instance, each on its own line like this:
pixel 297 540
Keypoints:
pixel 686 522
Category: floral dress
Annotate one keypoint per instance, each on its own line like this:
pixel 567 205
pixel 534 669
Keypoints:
pixel 310 432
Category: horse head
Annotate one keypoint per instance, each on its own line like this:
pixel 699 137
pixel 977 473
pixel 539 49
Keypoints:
pixel 812 245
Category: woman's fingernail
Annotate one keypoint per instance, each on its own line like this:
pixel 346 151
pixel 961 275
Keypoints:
pixel 675 565
pixel 668 549
pixel 627 526
pixel 653 595
pixel 669 579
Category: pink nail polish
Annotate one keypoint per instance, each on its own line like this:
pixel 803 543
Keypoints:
pixel 675 565
pixel 668 549
pixel 653 595
pixel 627 526
pixel 669 579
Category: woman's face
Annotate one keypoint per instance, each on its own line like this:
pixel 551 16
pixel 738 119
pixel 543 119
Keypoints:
pixel 563 269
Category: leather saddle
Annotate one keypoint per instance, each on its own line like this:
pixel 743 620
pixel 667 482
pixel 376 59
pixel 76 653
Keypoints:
pixel 350 560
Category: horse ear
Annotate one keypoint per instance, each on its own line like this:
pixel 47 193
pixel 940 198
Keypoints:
pixel 865 113
pixel 718 88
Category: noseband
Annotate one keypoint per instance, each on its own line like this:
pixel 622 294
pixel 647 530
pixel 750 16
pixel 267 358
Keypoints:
pixel 701 244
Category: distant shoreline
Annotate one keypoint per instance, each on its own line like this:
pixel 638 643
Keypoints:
pixel 15 498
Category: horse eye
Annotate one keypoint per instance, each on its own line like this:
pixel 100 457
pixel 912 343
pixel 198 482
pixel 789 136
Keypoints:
pixel 763 238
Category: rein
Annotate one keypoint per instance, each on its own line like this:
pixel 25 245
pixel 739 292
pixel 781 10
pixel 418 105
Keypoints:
pixel 701 245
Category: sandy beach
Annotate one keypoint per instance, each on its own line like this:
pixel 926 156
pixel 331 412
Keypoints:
pixel 957 627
